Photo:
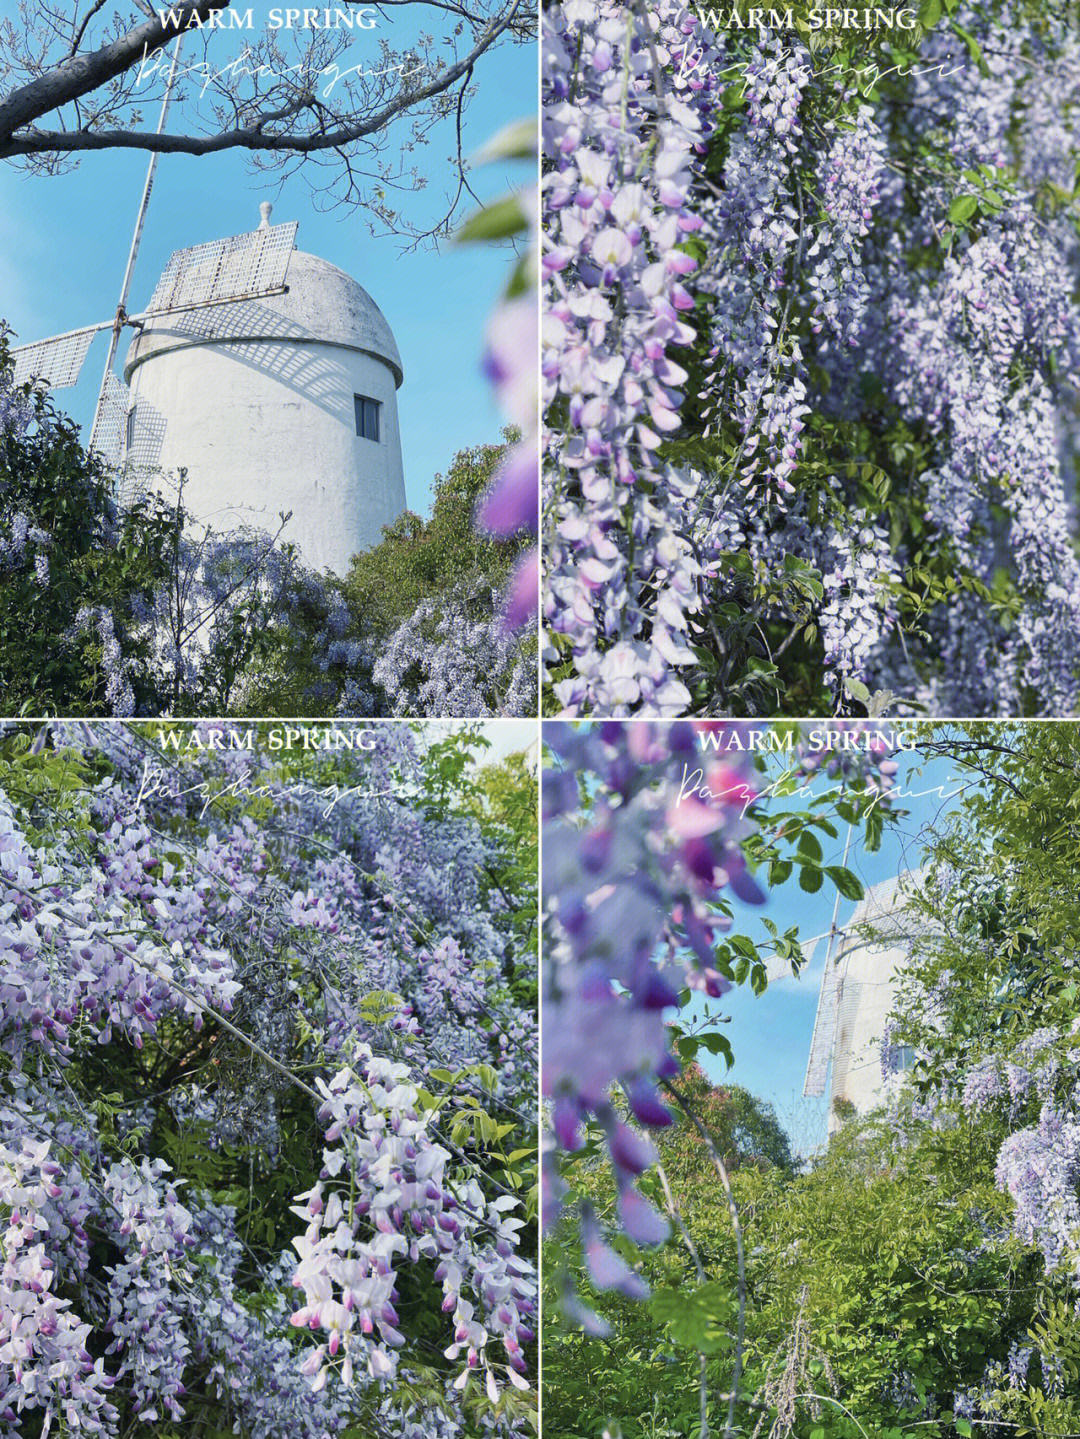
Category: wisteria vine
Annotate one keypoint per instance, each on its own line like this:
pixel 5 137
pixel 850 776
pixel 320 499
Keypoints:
pixel 221 960
pixel 649 829
pixel 810 358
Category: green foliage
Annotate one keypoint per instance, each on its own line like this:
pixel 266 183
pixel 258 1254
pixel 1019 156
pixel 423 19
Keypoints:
pixel 420 558
pixel 417 559
pixel 744 1128
pixel 880 1259
pixel 503 799
pixel 96 558
pixel 1011 959
pixel 268 651
pixel 884 1280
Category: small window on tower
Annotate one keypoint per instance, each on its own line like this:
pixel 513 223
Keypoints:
pixel 129 437
pixel 367 417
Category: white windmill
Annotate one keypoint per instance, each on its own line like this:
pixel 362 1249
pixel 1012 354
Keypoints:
pixel 858 981
pixel 274 399
pixel 239 267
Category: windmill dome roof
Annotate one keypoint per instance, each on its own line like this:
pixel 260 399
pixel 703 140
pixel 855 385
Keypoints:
pixel 321 304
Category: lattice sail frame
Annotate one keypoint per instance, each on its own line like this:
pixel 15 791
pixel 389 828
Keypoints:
pixel 821 1045
pixel 236 268
pixel 56 362
pixel 110 420
pixel 884 905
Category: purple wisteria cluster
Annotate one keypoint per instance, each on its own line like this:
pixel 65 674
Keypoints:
pixel 983 352
pixel 645 827
pixel 16 407
pixel 392 1200
pixel 617 202
pixel 456 657
pixel 146 919
pixel 744 249
pixel 639 879
pixel 1038 1164
pixel 512 505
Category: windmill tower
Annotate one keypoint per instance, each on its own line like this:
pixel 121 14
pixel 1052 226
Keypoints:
pixel 859 979
pixel 283 402
pixel 269 375
pixel 857 987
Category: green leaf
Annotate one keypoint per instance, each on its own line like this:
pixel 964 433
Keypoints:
pixel 694 1318
pixel 717 1044
pixel 849 884
pixel 516 141
pixel 930 12
pixel 496 221
pixel 962 209
pixel 810 878
pixel 973 48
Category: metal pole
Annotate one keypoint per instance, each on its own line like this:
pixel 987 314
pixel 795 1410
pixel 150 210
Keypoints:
pixel 121 309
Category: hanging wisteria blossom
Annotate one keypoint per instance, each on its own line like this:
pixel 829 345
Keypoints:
pixel 649 830
pixel 810 349
pixel 267 1067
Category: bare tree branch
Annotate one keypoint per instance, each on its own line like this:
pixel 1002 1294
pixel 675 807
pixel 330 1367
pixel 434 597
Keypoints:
pixel 80 74
pixel 76 77
pixel 250 136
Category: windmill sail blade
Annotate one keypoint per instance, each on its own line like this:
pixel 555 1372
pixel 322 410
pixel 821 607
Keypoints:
pixel 783 969
pixel 824 1031
pixel 240 267
pixel 55 362
pixel 110 420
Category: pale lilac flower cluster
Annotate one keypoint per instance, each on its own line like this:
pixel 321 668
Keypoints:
pixel 16 406
pixel 755 226
pixel 808 291
pixel 119 695
pixel 44 1362
pixel 144 1325
pixel 392 1201
pixel 617 204
pixel 849 185
pixel 1040 1168
pixel 446 660
pixel 162 914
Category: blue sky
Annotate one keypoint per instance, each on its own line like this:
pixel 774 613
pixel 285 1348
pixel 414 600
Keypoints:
pixel 771 1034
pixel 64 242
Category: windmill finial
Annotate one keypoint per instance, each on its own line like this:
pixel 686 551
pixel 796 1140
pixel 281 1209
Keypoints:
pixel 264 211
